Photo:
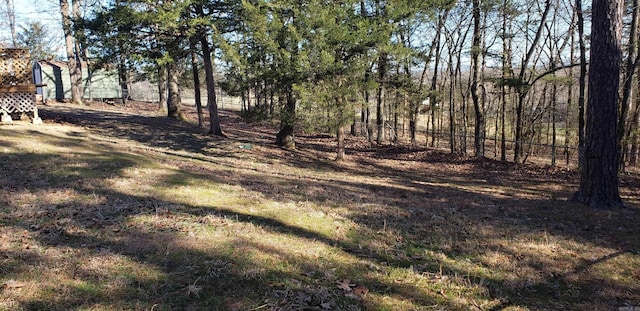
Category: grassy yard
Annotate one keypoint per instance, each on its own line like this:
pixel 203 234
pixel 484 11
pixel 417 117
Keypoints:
pixel 123 210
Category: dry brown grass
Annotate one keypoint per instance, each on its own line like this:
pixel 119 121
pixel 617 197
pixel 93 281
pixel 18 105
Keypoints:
pixel 121 209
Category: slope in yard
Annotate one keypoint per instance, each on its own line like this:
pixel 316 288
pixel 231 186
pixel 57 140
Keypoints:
pixel 121 209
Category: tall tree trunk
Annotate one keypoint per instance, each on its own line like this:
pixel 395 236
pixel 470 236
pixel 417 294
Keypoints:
pixel 366 117
pixel 524 87
pixel 394 136
pixel 75 73
pixel 479 129
pixel 464 96
pixel 506 73
pixel 497 130
pixel 363 117
pixel 433 103
pixel 582 85
pixel 633 125
pixel 452 107
pixel 503 135
pixel 285 137
pixel 212 101
pixel 413 121
pixel 434 79
pixel 554 98
pixel 382 70
pixel 340 138
pixel 553 50
pixel 340 131
pixel 354 126
pixel 567 126
pixel 173 101
pixel 518 148
pixel 196 84
pixel 630 69
pixel 369 124
pixel 123 79
pixel 163 82
pixel 247 96
pixel 599 178
pixel 367 78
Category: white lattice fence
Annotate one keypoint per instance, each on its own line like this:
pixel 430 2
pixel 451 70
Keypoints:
pixel 17 91
pixel 17 102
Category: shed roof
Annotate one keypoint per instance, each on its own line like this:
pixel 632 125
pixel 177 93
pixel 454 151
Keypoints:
pixel 57 63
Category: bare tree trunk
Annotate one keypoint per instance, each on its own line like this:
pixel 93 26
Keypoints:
pixel 363 118
pixel 503 135
pixel 633 157
pixel 434 79
pixel 367 78
pixel 75 73
pixel 247 95
pixel 382 68
pixel 554 98
pixel 433 104
pixel 163 82
pixel 464 96
pixel 452 107
pixel 123 79
pixel 599 178
pixel 632 129
pixel 581 85
pixel 497 127
pixel 506 73
pixel 569 100
pixel 340 131
pixel 630 69
pixel 479 129
pixel 524 87
pixel 340 137
pixel 285 137
pixel 366 117
pixel 196 84
pixel 212 101
pixel 173 101
pixel 395 135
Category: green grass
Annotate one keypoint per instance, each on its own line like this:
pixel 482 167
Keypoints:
pixel 92 224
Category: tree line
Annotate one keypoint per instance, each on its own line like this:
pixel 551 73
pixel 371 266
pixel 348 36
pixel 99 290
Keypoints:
pixel 509 69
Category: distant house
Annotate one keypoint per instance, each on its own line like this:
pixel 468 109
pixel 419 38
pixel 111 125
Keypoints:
pixel 104 83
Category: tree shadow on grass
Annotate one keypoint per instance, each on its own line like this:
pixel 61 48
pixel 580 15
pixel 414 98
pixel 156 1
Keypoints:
pixel 446 216
pixel 132 252
pixel 454 216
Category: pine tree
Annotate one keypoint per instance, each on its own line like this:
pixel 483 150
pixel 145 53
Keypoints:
pixel 599 178
pixel 36 37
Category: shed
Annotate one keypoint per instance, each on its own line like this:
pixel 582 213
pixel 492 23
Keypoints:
pixel 102 83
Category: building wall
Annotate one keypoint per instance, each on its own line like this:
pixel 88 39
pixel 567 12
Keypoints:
pixel 56 80
pixel 104 83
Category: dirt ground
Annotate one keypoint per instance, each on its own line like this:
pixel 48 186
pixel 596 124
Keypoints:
pixel 143 122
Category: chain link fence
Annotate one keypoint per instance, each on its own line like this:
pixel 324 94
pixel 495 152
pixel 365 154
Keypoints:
pixel 148 92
